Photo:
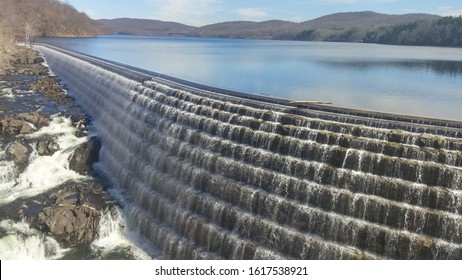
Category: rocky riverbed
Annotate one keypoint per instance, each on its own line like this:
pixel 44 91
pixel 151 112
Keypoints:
pixel 47 154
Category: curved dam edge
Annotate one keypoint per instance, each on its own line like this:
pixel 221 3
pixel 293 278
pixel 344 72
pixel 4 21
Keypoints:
pixel 215 175
pixel 140 75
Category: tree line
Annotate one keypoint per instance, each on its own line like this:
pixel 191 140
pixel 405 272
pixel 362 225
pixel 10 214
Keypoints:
pixel 444 32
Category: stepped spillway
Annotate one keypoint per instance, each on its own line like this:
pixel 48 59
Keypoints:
pixel 213 174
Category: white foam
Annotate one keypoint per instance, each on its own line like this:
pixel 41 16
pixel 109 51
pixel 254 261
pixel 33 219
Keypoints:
pixel 7 93
pixel 46 172
pixel 8 173
pixel 114 236
pixel 45 62
pixel 24 243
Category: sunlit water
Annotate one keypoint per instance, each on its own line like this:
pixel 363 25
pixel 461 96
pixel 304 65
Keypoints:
pixel 423 81
pixel 19 241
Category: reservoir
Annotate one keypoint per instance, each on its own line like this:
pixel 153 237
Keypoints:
pixel 421 81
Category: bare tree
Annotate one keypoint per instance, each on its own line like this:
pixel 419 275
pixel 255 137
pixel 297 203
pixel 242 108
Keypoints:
pixel 29 32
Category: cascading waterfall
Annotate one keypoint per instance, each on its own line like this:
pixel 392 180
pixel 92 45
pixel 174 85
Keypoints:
pixel 207 175
pixel 8 172
pixel 22 242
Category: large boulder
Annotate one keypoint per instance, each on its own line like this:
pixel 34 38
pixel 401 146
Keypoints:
pixel 23 123
pixel 73 217
pixel 70 213
pixel 69 224
pixel 47 147
pixel 15 127
pixel 19 152
pixel 83 158
pixel 34 118
pixel 81 124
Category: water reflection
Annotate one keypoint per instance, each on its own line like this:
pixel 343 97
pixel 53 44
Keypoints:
pixel 440 67
pixel 407 80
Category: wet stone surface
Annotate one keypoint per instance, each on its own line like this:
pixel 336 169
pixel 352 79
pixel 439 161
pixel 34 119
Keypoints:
pixel 29 98
pixel 69 213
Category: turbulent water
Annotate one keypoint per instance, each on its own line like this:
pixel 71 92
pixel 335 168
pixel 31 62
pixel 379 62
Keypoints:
pixel 206 175
pixel 17 239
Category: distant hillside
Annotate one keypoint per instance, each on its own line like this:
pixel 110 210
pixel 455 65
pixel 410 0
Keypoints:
pixel 365 19
pixel 46 18
pixel 131 26
pixel 336 27
pixel 273 29
pixel 350 27
pixel 445 32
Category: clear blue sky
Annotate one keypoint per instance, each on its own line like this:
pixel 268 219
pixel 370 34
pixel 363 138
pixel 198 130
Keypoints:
pixel 202 12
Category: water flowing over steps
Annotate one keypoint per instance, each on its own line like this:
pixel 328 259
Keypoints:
pixel 211 174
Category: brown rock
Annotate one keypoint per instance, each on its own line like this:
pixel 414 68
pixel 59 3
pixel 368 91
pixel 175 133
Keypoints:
pixel 47 147
pixel 25 123
pixel 51 88
pixel 26 128
pixel 69 213
pixel 11 126
pixel 70 225
pixel 81 161
pixel 73 217
pixel 34 118
pixel 19 152
pixel 39 60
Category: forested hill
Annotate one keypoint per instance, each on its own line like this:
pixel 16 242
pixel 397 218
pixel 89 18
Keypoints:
pixel 52 18
pixel 147 27
pixel 346 27
pixel 445 32
pixel 350 27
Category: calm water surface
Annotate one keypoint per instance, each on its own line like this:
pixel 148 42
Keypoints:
pixel 422 81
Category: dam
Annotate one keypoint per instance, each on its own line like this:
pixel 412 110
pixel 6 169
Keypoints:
pixel 207 173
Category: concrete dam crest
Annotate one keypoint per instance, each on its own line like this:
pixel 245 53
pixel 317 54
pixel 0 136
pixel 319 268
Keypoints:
pixel 214 174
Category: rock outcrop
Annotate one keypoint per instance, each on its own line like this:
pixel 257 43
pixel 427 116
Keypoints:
pixel 74 216
pixel 83 158
pixel 24 123
pixel 51 88
pixel 81 124
pixel 47 147
pixel 14 126
pixel 24 61
pixel 69 213
pixel 35 118
pixel 19 151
